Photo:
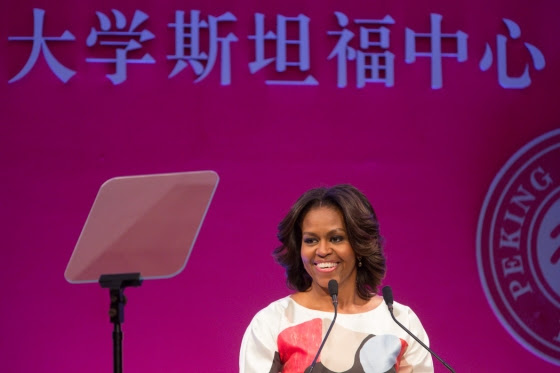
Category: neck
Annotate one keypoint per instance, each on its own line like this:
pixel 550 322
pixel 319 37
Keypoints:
pixel 350 303
pixel 347 303
pixel 348 298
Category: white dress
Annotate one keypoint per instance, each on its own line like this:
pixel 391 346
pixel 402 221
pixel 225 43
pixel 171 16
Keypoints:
pixel 285 337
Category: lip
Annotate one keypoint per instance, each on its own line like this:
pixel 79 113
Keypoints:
pixel 326 269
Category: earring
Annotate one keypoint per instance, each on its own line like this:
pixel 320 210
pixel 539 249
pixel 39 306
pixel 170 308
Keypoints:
pixel 359 262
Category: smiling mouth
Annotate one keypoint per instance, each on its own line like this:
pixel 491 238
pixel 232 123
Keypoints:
pixel 326 266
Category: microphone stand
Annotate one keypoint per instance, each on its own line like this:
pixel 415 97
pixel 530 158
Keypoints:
pixel 419 341
pixel 116 284
pixel 388 298
pixel 324 340
pixel 333 291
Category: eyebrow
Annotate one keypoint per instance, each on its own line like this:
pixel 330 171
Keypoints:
pixel 329 232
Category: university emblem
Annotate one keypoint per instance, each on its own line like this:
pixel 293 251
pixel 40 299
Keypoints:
pixel 518 246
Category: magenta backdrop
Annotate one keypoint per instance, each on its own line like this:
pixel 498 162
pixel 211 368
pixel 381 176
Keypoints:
pixel 425 157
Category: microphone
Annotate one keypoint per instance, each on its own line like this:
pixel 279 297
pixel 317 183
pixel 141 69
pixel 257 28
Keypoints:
pixel 333 291
pixel 388 298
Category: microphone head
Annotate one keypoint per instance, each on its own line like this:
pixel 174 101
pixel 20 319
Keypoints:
pixel 388 295
pixel 333 287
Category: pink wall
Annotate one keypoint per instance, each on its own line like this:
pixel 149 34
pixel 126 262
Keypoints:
pixel 425 157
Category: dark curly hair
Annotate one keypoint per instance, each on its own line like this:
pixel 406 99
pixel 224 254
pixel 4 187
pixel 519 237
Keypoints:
pixel 362 228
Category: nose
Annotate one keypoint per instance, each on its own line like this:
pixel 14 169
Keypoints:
pixel 323 249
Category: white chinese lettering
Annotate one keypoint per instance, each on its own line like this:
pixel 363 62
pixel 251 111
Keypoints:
pixel 504 79
pixel 113 38
pixel 302 62
pixel 40 45
pixel 187 37
pixel 435 52
pixel 370 67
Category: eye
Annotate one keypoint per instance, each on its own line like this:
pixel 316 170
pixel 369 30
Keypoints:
pixel 309 240
pixel 337 239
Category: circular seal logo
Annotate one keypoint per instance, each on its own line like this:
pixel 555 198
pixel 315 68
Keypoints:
pixel 518 246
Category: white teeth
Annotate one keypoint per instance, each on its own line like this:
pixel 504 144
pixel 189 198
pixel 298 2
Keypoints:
pixel 326 265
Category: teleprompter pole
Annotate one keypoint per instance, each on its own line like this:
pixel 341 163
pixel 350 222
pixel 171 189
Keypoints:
pixel 116 284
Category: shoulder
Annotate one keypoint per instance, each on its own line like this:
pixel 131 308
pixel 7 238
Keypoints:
pixel 416 355
pixel 408 318
pixel 276 306
pixel 272 312
pixel 284 313
pixel 266 324
pixel 382 322
pixel 404 313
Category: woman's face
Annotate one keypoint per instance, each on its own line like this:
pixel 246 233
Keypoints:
pixel 325 250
